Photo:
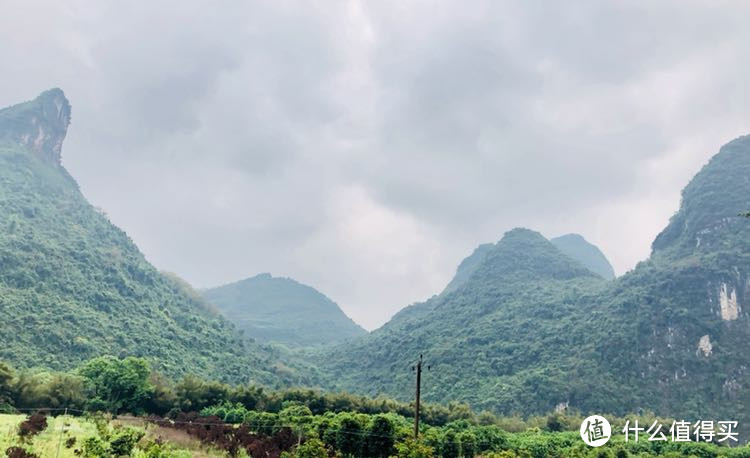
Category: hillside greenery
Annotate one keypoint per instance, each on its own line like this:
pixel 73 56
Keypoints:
pixel 74 286
pixel 531 330
pixel 208 418
pixel 493 342
pixel 281 310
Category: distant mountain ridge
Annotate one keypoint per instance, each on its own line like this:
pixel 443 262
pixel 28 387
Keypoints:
pixel 74 286
pixel 573 245
pixel 282 310
pixel 527 329
pixel 476 335
pixel 578 248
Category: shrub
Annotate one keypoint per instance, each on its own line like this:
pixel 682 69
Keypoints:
pixel 93 447
pixel 18 452
pixel 124 440
pixel 413 449
pixel 32 426
pixel 312 448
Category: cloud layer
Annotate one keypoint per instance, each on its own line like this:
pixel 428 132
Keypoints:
pixel 365 148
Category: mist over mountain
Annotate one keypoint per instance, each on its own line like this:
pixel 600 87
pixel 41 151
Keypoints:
pixel 281 310
pixel 528 329
pixel 527 325
pixel 74 286
pixel 504 326
pixel 575 246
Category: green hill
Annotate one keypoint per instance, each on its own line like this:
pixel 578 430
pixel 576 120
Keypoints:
pixel 531 329
pixel 282 310
pixel 589 255
pixel 489 339
pixel 74 286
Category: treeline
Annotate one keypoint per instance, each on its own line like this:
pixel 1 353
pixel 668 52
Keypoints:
pixel 248 420
pixel 128 385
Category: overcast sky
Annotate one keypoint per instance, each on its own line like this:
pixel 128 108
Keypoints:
pixel 365 148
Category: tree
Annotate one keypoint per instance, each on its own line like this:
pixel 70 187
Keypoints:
pixel 118 384
pixel 194 394
pixel 468 444
pixel 411 448
pixel 349 436
pixel 380 437
pixel 64 390
pixel 312 448
pixel 451 447
pixel 6 384
pixel 297 417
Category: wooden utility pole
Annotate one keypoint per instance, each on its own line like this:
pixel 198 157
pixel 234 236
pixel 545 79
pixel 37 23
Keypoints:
pixel 418 370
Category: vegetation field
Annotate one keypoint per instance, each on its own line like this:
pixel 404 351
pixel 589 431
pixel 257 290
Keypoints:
pixel 303 435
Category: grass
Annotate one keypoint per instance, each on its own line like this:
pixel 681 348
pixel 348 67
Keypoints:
pixel 46 444
pixel 52 441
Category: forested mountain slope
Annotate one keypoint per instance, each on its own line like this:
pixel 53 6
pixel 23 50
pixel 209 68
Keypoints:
pixel 73 286
pixel 274 309
pixel 531 329
pixel 683 313
pixel 489 339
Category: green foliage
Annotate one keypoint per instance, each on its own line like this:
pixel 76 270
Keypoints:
pixel 281 310
pixel 414 449
pixel 469 446
pixel 349 436
pixel 194 394
pixel 226 411
pixel 527 331
pixel 312 448
pixel 120 385
pixel 450 448
pixel 48 390
pixel 381 436
pixel 6 385
pixel 123 441
pixel 93 447
pixel 512 338
pixel 73 286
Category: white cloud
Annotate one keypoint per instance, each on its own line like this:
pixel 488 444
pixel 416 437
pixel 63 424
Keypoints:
pixel 366 147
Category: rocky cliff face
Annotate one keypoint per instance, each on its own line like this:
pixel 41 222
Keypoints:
pixel 39 125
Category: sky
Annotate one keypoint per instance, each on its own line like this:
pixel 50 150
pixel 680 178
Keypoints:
pixel 365 148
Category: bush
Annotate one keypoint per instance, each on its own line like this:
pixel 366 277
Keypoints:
pixel 32 426
pixel 312 448
pixel 414 449
pixel 228 412
pixel 124 440
pixel 156 449
pixel 93 447
pixel 18 452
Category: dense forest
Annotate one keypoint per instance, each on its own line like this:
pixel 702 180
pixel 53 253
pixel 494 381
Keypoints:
pixel 74 286
pixel 248 420
pixel 532 334
pixel 525 328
